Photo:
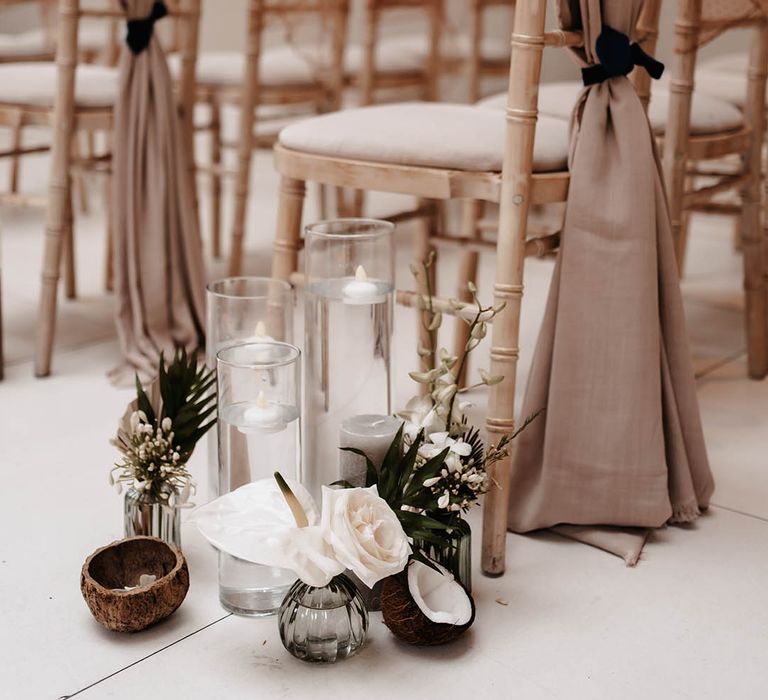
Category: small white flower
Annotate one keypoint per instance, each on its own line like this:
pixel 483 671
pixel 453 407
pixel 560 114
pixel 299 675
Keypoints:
pixel 444 500
pixel 429 483
pixel 166 424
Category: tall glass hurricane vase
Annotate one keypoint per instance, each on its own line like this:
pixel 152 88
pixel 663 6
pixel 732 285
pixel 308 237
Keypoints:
pixel 348 335
pixel 244 310
pixel 259 392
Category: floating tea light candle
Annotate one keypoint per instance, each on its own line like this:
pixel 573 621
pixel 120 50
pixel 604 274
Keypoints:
pixel 264 416
pixel 362 290
pixel 260 334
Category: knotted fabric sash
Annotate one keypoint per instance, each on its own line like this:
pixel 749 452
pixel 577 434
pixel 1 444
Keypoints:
pixel 140 30
pixel 159 272
pixel 618 57
pixel 620 447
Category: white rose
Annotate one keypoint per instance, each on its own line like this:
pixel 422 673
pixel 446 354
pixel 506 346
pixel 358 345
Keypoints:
pixel 364 532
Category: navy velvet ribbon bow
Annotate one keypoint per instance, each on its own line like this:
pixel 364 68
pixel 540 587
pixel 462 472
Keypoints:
pixel 140 30
pixel 618 57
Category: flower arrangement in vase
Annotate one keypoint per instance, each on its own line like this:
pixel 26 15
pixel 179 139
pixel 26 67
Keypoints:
pixel 156 437
pixel 437 468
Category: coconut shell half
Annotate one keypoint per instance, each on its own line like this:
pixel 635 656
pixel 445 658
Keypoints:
pixel 407 621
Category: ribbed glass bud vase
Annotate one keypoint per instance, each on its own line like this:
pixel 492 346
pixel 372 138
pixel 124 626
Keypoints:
pixel 151 515
pixel 323 625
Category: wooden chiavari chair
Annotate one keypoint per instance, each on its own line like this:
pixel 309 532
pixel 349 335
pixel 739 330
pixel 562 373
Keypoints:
pixel 442 152
pixel 96 45
pixel 71 97
pixel 714 129
pixel 398 63
pixel 268 84
pixel 686 153
pixel 485 58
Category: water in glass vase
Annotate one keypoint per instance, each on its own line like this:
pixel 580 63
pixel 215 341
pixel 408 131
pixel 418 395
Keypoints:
pixel 255 440
pixel 348 366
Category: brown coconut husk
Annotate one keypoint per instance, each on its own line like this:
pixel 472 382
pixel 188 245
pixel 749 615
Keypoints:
pixel 406 620
pixel 122 563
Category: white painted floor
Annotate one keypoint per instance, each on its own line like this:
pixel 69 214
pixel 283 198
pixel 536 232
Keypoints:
pixel 690 621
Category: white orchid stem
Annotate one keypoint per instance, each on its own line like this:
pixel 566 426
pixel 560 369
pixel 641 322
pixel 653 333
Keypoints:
pixel 299 515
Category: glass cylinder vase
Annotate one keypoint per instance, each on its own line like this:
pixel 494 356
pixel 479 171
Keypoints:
pixel 349 302
pixel 259 394
pixel 151 515
pixel 244 310
pixel 455 554
pixel 323 625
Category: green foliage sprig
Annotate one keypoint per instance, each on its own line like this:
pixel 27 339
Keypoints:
pixel 161 427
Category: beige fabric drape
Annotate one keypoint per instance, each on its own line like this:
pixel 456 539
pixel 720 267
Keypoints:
pixel 620 445
pixel 159 273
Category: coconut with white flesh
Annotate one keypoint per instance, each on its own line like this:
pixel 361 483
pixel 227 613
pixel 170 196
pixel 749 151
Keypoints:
pixel 424 606
pixel 439 596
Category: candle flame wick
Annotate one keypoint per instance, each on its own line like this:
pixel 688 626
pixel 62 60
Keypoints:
pixel 360 274
pixel 261 330
pixel 261 400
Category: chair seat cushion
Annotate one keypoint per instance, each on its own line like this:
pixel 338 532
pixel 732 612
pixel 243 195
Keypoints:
pixel 285 65
pixel 24 44
pixel 281 65
pixel 709 115
pixel 35 43
pixel 408 53
pixel 34 84
pixel 428 134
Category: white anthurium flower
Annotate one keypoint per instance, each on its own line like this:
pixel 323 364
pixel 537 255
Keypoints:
pixel 364 533
pixel 255 523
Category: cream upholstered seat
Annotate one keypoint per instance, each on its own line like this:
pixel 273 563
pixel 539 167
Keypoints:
pixel 34 85
pixel 709 115
pixel 288 65
pixel 725 77
pixel 427 134
pixel 410 52
pixel 282 65
pixel 24 45
pixel 35 42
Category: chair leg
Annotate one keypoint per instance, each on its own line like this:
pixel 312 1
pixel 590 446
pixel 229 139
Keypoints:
pixel 285 256
pixel 753 238
pixel 55 234
pixel 109 256
pixel 2 350
pixel 80 182
pixel 16 140
pixel 322 201
pixel 70 278
pixel 470 214
pixel 215 161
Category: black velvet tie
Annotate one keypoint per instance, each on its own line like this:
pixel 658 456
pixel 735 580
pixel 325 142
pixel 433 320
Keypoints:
pixel 618 57
pixel 140 30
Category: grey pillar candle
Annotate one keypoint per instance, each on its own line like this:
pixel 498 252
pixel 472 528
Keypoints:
pixel 371 434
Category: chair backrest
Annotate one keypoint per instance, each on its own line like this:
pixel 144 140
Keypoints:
pixel 68 18
pixel 717 16
pixel 433 11
pixel 323 51
pixel 45 14
pixel 476 31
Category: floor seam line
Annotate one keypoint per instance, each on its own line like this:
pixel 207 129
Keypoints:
pixel 143 658
pixel 740 512
pixel 719 364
